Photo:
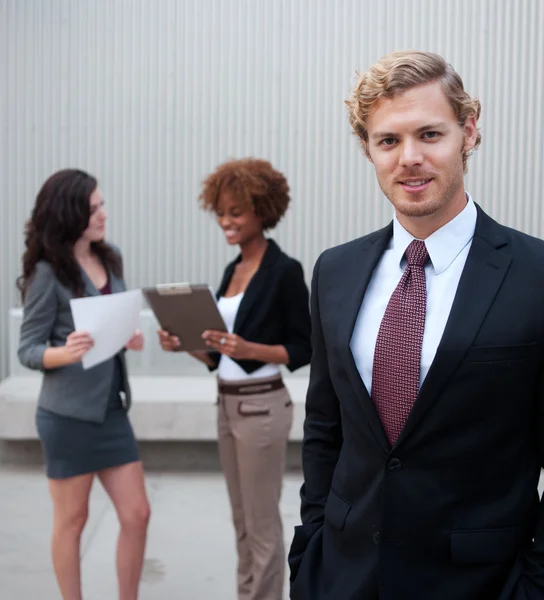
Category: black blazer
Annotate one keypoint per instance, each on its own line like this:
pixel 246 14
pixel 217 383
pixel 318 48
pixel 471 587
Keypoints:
pixel 451 510
pixel 274 310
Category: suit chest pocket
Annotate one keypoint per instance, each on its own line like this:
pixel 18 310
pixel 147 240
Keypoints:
pixel 503 354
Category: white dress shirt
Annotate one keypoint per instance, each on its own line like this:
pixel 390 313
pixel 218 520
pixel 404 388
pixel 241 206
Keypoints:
pixel 448 249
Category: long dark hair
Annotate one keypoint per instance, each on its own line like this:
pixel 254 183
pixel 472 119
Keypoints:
pixel 59 218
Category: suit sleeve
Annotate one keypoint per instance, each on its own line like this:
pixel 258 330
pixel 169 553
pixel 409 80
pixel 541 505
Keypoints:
pixel 296 316
pixel 39 314
pixel 322 437
pixel 531 583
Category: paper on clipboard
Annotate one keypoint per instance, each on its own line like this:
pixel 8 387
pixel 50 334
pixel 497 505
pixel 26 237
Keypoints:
pixel 111 320
pixel 186 311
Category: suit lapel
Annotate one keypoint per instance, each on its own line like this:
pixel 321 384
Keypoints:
pixel 257 285
pixel 227 276
pixel 89 289
pixel 88 286
pixel 253 292
pixel 480 281
pixel 116 283
pixel 355 277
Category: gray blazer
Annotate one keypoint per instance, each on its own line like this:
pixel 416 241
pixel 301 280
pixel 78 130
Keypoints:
pixel 47 321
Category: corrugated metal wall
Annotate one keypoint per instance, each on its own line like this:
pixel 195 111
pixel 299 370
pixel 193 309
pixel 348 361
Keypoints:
pixel 150 95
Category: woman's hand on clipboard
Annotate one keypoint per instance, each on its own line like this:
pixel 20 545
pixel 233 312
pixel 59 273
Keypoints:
pixel 230 344
pixel 169 343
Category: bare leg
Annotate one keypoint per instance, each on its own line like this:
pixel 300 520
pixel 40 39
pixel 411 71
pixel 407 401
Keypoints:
pixel 126 487
pixel 70 510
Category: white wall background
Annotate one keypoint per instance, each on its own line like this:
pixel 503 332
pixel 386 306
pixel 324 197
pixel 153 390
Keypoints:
pixel 150 95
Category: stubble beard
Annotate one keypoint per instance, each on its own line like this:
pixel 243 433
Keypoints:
pixel 428 202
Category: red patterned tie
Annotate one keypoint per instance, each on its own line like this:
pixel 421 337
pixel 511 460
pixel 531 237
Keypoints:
pixel 397 357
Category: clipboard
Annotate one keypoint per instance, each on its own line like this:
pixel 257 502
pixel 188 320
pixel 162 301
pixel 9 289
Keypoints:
pixel 186 311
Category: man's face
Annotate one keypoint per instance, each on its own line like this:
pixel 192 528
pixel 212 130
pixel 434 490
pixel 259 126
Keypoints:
pixel 416 146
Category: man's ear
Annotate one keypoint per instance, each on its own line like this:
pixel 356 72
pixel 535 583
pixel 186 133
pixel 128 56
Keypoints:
pixel 471 133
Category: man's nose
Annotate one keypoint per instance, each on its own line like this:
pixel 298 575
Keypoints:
pixel 411 154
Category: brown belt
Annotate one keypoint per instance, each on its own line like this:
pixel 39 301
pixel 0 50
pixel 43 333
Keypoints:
pixel 245 389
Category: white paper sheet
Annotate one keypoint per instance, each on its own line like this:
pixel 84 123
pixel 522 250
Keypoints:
pixel 111 320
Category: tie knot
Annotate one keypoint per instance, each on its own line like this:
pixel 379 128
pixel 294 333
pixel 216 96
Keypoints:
pixel 416 254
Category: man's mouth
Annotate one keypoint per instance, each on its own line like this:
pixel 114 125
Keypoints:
pixel 415 185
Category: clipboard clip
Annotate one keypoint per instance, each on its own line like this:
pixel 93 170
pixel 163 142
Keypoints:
pixel 172 289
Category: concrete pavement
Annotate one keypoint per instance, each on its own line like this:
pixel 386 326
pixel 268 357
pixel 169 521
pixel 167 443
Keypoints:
pixel 190 552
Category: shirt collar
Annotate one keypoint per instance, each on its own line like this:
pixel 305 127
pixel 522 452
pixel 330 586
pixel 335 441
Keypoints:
pixel 445 243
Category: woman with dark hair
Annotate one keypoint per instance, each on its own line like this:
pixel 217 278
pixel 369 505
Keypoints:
pixel 82 414
pixel 264 302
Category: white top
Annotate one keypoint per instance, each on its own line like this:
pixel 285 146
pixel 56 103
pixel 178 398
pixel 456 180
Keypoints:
pixel 228 369
pixel 448 249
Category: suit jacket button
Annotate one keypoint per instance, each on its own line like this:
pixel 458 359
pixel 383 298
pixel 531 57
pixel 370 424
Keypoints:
pixel 376 537
pixel 394 464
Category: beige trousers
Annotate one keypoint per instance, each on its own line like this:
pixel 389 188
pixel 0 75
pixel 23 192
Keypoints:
pixel 253 427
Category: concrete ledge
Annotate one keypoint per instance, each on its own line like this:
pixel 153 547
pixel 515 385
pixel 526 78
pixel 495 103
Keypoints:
pixel 175 456
pixel 165 408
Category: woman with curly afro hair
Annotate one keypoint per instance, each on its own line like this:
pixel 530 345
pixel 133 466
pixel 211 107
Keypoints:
pixel 264 302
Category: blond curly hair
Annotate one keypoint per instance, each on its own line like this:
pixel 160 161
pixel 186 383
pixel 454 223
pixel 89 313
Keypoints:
pixel 399 71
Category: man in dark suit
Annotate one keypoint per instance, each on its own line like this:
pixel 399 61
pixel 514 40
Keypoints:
pixel 423 438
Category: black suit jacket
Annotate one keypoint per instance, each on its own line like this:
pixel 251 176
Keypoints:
pixel 451 510
pixel 275 309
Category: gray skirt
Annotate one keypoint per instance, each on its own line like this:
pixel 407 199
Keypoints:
pixel 74 447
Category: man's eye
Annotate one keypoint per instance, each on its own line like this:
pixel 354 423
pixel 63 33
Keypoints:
pixel 388 141
pixel 431 135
